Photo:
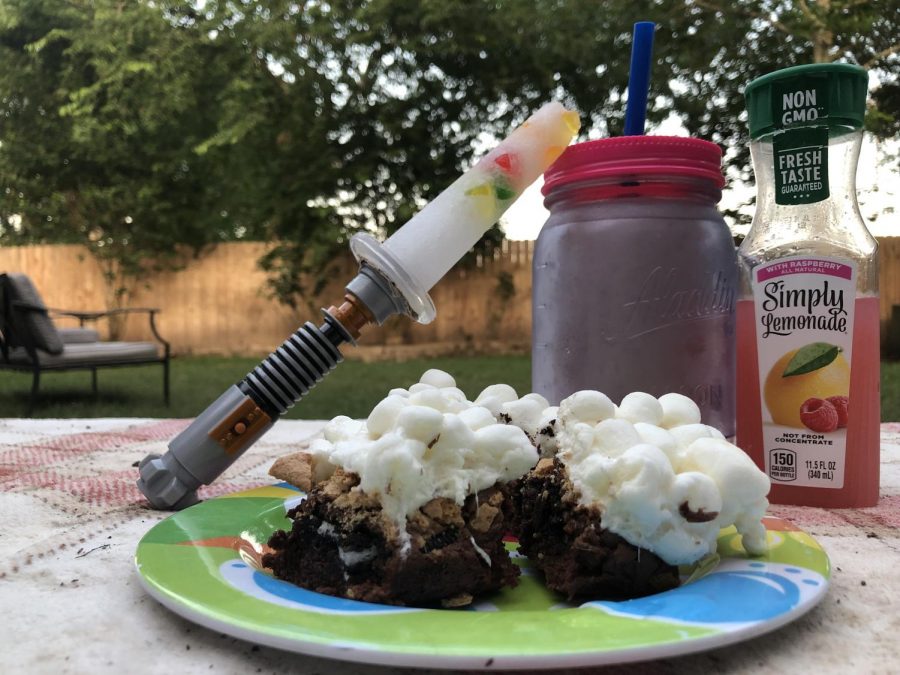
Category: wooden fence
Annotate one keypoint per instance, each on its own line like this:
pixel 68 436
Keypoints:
pixel 218 303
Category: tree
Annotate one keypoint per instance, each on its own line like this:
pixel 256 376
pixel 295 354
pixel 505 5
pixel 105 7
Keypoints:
pixel 430 75
pixel 399 91
pixel 137 127
pixel 103 106
pixel 715 48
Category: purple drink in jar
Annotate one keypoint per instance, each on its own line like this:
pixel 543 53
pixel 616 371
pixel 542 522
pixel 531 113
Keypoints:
pixel 635 275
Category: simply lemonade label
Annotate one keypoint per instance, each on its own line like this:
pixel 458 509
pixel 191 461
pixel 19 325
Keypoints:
pixel 804 331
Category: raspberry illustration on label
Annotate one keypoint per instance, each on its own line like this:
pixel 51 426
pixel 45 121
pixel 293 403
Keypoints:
pixel 819 415
pixel 816 372
pixel 842 405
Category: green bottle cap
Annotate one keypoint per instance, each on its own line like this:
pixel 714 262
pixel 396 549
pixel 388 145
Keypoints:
pixel 821 94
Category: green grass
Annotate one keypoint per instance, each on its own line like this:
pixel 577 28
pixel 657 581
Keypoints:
pixel 352 389
pixel 890 391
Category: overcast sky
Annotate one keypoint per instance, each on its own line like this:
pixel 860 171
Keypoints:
pixel 524 219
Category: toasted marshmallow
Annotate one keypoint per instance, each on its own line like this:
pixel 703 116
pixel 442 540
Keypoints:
pixel 659 478
pixel 437 378
pixel 526 413
pixel 430 441
pixel 384 415
pixel 495 396
pixel 545 439
pixel 678 410
pixel 590 407
pixel 640 407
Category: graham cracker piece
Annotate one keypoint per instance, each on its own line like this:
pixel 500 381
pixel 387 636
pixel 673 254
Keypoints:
pixel 296 469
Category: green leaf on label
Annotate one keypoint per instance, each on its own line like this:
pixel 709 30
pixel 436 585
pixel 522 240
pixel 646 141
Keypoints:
pixel 811 357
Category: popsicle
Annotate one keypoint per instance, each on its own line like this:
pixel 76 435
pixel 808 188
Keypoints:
pixel 440 234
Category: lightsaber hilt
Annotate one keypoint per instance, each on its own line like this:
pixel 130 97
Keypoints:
pixel 248 409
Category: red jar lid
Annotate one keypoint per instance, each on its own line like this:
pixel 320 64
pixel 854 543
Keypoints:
pixel 629 157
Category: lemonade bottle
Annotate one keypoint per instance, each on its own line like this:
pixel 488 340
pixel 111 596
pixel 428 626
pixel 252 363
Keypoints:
pixel 808 315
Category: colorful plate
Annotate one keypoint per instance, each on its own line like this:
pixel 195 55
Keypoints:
pixel 203 563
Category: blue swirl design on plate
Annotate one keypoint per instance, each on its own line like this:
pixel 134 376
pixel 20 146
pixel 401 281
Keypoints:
pixel 287 486
pixel 736 594
pixel 291 502
pixel 261 586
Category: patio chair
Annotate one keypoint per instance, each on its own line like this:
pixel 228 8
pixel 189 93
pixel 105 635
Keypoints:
pixel 31 342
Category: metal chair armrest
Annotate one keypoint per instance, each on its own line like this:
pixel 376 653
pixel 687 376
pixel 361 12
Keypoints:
pixel 94 316
pixel 99 314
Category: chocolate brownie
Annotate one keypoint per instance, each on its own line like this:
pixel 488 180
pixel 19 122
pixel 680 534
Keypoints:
pixel 566 541
pixel 342 544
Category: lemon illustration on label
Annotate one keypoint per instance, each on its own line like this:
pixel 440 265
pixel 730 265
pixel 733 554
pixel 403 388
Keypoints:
pixel 814 371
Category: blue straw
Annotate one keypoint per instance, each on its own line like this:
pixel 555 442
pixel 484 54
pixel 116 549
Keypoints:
pixel 639 78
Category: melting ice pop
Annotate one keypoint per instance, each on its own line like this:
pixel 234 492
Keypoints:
pixel 440 234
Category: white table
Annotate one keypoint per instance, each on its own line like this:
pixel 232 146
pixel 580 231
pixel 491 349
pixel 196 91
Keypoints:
pixel 70 519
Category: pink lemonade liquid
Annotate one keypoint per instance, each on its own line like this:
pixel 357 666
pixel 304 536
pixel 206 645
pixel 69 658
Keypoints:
pixel 861 474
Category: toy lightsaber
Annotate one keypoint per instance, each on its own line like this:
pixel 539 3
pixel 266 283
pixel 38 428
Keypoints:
pixel 394 278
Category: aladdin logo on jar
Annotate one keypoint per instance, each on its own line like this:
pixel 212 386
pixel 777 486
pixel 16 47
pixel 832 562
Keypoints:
pixel 665 299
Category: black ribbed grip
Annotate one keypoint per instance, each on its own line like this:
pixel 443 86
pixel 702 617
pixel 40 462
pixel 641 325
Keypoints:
pixel 293 369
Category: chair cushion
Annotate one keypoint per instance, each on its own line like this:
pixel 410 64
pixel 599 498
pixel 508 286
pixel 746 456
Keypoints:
pixel 92 354
pixel 37 323
pixel 73 336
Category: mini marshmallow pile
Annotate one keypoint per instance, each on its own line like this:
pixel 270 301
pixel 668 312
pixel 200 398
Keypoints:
pixel 428 441
pixel 660 479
